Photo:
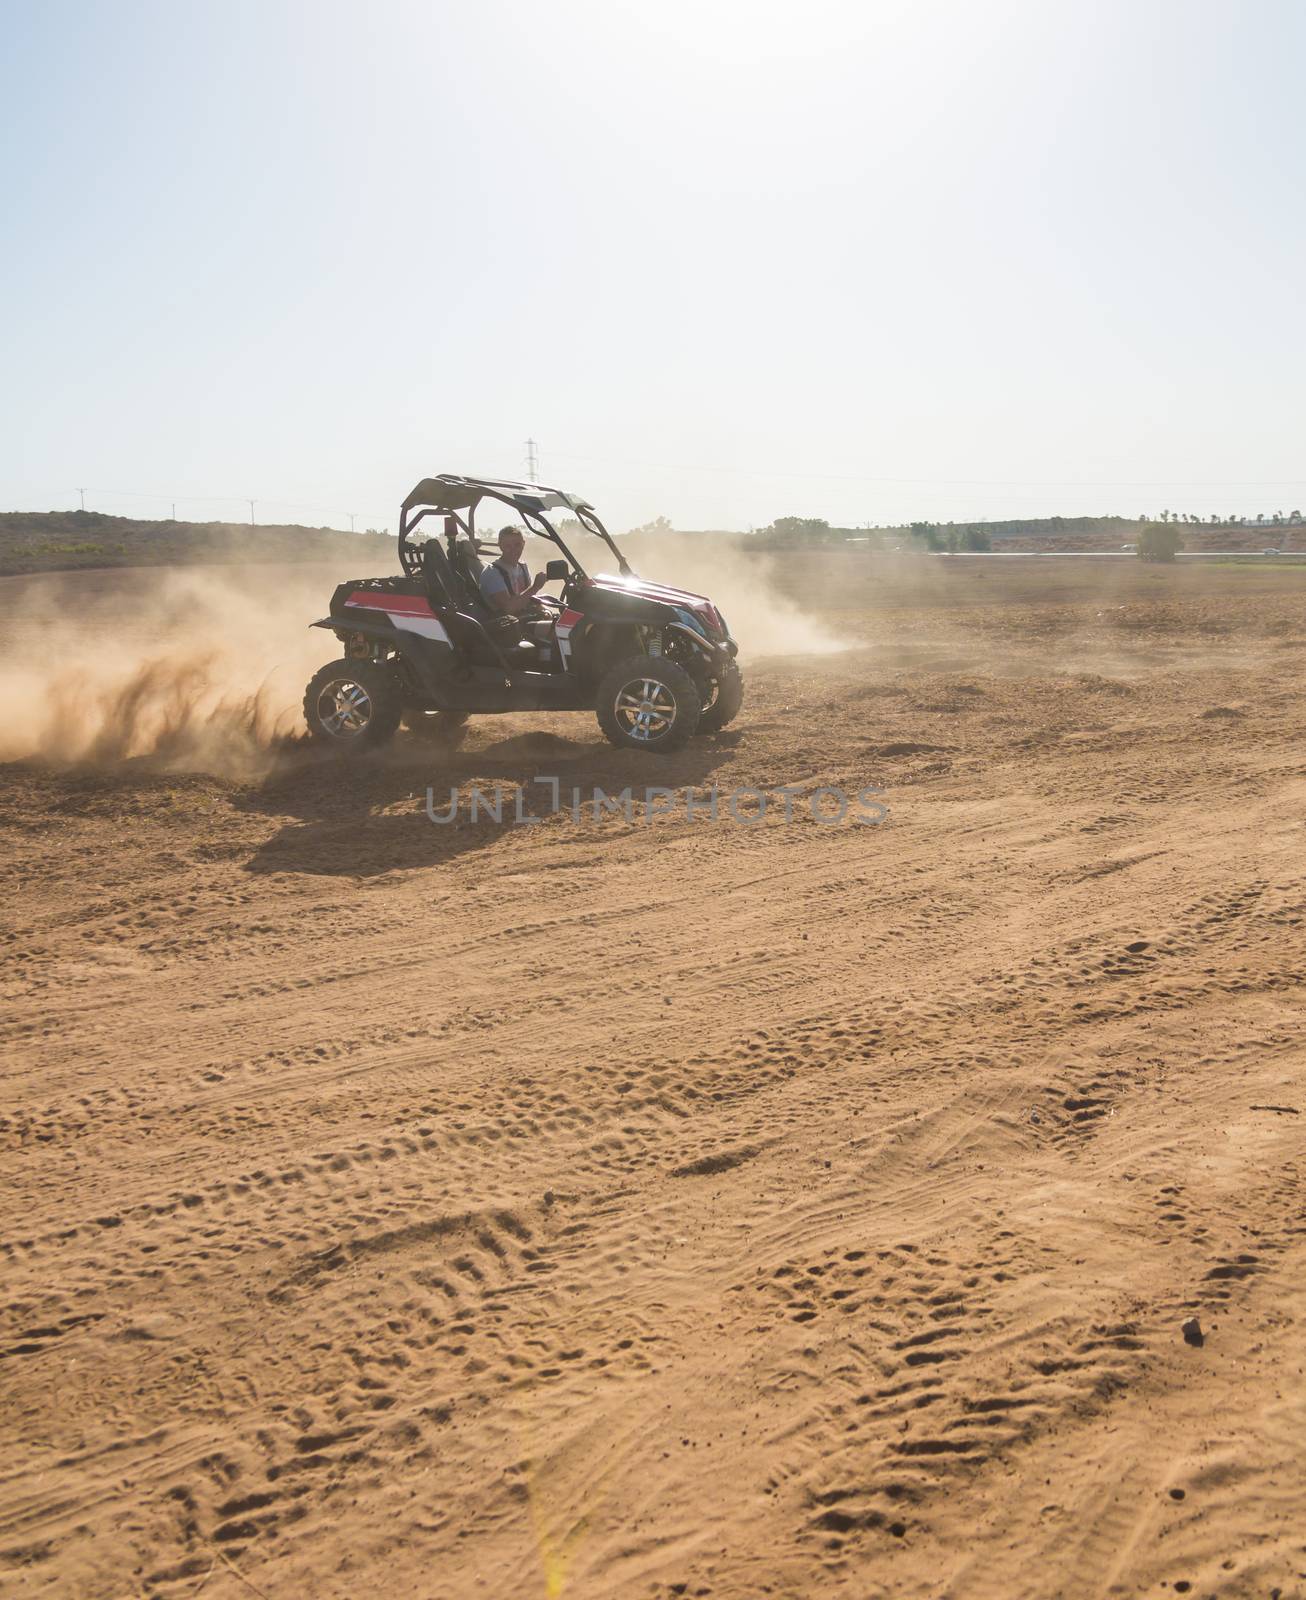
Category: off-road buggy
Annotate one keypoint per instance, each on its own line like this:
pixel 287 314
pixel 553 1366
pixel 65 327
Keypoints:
pixel 656 664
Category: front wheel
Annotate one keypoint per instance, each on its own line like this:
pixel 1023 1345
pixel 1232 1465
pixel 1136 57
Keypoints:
pixel 722 698
pixel 647 703
pixel 352 705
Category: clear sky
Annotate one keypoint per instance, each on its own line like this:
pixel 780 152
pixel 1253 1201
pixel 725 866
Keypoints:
pixel 725 260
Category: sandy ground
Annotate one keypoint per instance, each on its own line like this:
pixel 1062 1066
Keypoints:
pixel 622 1208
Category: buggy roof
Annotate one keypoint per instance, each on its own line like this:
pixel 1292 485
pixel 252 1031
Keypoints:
pixel 449 492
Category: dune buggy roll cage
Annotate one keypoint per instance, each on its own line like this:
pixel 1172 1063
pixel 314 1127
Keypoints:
pixel 456 500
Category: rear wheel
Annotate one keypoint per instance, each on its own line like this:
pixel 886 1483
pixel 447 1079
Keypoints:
pixel 722 697
pixel 647 703
pixel 352 705
pixel 439 727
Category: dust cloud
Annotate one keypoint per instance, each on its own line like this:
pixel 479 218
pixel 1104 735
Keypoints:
pixel 196 669
pixel 203 669
pixel 748 588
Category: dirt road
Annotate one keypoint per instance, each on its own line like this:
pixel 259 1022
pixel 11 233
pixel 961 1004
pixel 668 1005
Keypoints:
pixel 613 1208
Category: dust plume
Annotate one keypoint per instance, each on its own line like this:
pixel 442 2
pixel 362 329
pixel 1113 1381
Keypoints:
pixel 201 669
pixel 750 589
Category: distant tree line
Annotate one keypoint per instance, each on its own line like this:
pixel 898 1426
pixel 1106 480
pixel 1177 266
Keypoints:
pixel 1145 535
pixel 1234 519
pixel 787 532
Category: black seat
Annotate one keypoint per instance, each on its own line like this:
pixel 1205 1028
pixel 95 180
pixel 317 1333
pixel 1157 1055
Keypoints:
pixel 441 589
pixel 468 566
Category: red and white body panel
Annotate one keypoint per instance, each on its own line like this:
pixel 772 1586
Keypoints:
pixel 408 612
pixel 567 620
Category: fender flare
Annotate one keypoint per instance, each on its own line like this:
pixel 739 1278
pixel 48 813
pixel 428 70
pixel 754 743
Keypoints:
pixel 369 629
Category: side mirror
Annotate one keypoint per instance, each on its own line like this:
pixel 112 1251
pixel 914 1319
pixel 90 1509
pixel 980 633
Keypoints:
pixel 556 569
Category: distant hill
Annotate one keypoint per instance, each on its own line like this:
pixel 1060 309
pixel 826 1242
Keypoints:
pixel 59 541
pixel 1110 533
pixel 1024 534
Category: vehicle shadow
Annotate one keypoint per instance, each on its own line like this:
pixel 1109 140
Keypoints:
pixel 353 818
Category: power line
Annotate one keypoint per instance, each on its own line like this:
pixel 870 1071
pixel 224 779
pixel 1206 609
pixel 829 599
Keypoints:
pixel 1175 485
pixel 201 499
pixel 854 477
pixel 902 490
pixel 182 499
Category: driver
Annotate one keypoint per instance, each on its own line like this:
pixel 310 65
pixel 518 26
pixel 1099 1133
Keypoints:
pixel 506 585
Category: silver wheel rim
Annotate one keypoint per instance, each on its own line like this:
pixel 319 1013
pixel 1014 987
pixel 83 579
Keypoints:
pixel 645 709
pixel 344 708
